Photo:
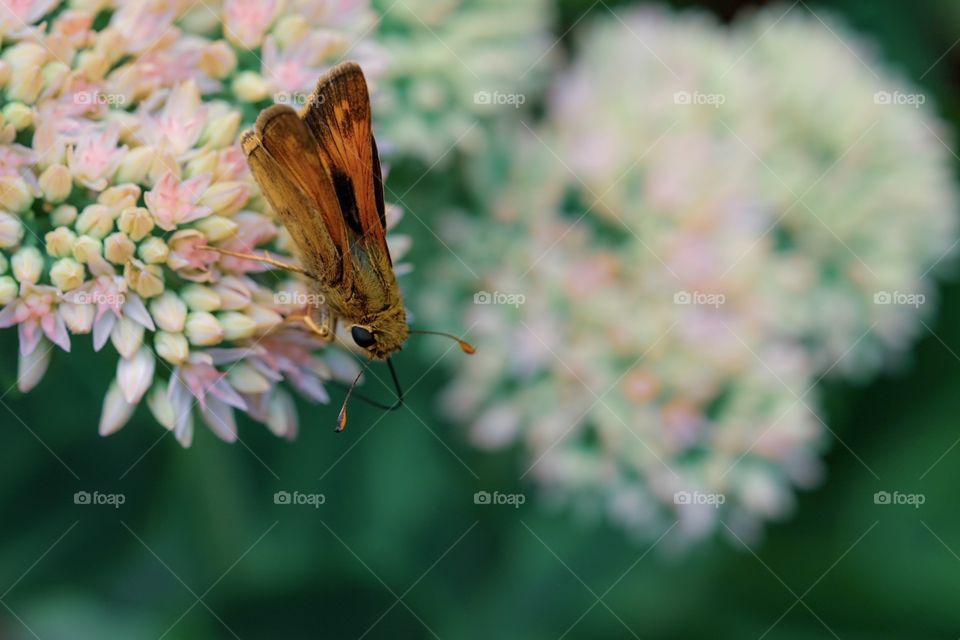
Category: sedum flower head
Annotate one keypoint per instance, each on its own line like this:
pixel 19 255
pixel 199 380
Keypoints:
pixel 454 64
pixel 705 225
pixel 119 161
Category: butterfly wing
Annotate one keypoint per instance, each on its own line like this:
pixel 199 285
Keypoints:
pixel 283 156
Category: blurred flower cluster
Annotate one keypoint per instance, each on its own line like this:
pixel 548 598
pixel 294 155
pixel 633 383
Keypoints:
pixel 118 162
pixel 456 65
pixel 706 224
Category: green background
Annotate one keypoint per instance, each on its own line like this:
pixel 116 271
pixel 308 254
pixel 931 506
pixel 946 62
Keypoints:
pixel 400 522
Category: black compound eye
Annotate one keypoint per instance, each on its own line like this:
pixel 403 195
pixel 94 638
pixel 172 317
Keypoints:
pixel 362 337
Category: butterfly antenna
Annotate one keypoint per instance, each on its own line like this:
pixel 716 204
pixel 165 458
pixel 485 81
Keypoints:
pixel 464 345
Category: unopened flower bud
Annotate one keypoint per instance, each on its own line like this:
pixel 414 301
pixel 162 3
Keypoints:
pixel 249 86
pixel 216 228
pixel 226 198
pixel 60 242
pixel 78 317
pixel 218 59
pixel 246 379
pixel 145 279
pixel 64 215
pixel 172 347
pixel 8 290
pixel 19 115
pixel 15 195
pixel 203 329
pixel 56 183
pixel 135 165
pixel 85 247
pixel 237 326
pixel 67 274
pixel 153 250
pixel 200 298
pixel 222 131
pixel 118 247
pixel 27 264
pixel 136 222
pixel 95 220
pixel 11 230
pixel 290 29
pixel 169 312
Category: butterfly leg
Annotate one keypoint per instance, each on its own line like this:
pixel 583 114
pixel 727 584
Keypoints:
pixel 265 258
pixel 324 328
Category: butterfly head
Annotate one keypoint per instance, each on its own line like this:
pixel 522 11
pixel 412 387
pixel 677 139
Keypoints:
pixel 381 335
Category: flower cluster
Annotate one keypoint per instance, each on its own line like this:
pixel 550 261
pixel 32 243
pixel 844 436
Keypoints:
pixel 119 163
pixel 705 225
pixel 455 66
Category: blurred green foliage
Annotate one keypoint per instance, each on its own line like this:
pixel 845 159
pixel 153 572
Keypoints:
pixel 399 547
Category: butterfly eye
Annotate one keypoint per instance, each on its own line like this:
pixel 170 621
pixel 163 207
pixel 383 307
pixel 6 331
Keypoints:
pixel 362 337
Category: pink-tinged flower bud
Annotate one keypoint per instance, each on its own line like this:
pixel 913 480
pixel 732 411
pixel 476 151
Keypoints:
pixel 67 274
pixel 15 195
pixel 153 250
pixel 86 248
pixel 221 131
pixel 172 347
pixel 249 86
pixel 246 379
pixel 226 198
pixel 136 222
pixel 60 242
pixel 27 265
pixel 282 415
pixel 206 162
pixel 55 74
pixel 56 183
pixel 78 317
pixel 118 248
pixel 135 165
pixel 120 197
pixel 216 228
pixel 28 55
pixel 234 293
pixel 31 367
pixel 237 326
pixel 127 337
pixel 11 230
pixel 145 279
pixel 265 318
pixel 95 220
pixel 290 29
pixel 8 290
pixel 218 59
pixel 64 215
pixel 159 404
pixel 135 375
pixel 116 411
pixel 203 329
pixel 19 115
pixel 200 298
pixel 169 312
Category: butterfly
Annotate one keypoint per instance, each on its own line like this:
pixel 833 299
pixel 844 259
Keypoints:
pixel 319 169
